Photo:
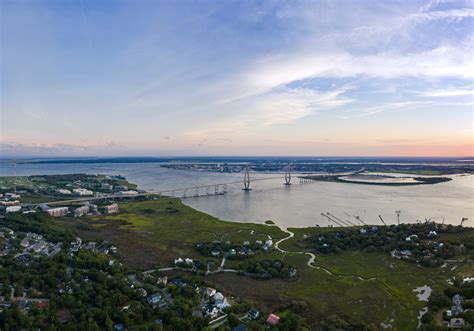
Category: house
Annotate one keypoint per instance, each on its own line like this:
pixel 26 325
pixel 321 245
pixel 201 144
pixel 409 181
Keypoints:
pixel 177 282
pixel 269 243
pixel 220 301
pixel 246 243
pixel 210 291
pixel 432 234
pixel 215 253
pixel 253 314
pixel 273 319
pixel 154 298
pixel 291 271
pixel 119 327
pixel 456 323
pixel 211 311
pixel 162 280
pixel 456 307
pixel 142 292
pixel 412 237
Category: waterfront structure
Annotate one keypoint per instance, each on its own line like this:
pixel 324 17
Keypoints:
pixel 57 212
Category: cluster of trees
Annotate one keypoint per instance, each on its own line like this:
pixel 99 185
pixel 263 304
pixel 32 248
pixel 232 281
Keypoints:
pixel 241 251
pixel 265 269
pixel 389 238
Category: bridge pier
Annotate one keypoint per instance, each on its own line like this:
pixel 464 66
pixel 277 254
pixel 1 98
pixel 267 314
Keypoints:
pixel 247 181
pixel 287 176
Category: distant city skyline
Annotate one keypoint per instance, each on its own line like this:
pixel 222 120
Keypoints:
pixel 182 78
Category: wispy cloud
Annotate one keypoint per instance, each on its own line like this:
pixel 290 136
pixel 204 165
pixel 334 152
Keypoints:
pixel 449 92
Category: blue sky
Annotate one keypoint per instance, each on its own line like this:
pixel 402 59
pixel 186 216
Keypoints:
pixel 82 77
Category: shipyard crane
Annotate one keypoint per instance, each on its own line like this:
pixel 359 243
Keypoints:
pixel 340 220
pixel 380 216
pixel 398 212
pixel 357 217
pixel 332 220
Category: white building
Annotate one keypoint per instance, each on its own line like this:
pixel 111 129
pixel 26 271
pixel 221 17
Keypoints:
pixel 64 191
pixel 83 192
pixel 13 209
pixel 81 211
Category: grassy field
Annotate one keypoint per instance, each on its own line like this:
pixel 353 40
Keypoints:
pixel 170 229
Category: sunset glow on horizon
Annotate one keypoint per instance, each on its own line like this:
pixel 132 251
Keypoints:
pixel 175 78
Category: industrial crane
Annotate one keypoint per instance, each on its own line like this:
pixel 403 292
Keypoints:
pixel 332 220
pixel 380 216
pixel 463 220
pixel 348 223
pixel 357 217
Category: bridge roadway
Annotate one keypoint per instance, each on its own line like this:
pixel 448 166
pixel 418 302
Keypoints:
pixel 158 193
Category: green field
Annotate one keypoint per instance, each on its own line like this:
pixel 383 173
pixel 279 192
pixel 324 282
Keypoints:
pixel 173 229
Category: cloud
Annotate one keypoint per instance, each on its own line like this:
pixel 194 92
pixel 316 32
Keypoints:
pixel 13 148
pixel 449 92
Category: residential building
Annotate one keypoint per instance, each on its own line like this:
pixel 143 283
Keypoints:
pixel 273 319
pixel 58 212
pixel 9 203
pixel 83 192
pixel 64 191
pixel 253 314
pixel 111 209
pixel 13 209
pixel 81 211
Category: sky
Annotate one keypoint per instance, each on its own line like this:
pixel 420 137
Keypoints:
pixel 213 77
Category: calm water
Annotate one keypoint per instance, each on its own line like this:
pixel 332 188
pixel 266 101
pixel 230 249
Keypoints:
pixel 294 206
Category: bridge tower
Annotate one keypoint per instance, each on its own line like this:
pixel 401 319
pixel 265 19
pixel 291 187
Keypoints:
pixel 288 176
pixel 247 180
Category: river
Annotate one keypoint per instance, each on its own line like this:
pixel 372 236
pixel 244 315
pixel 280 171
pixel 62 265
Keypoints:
pixel 298 205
